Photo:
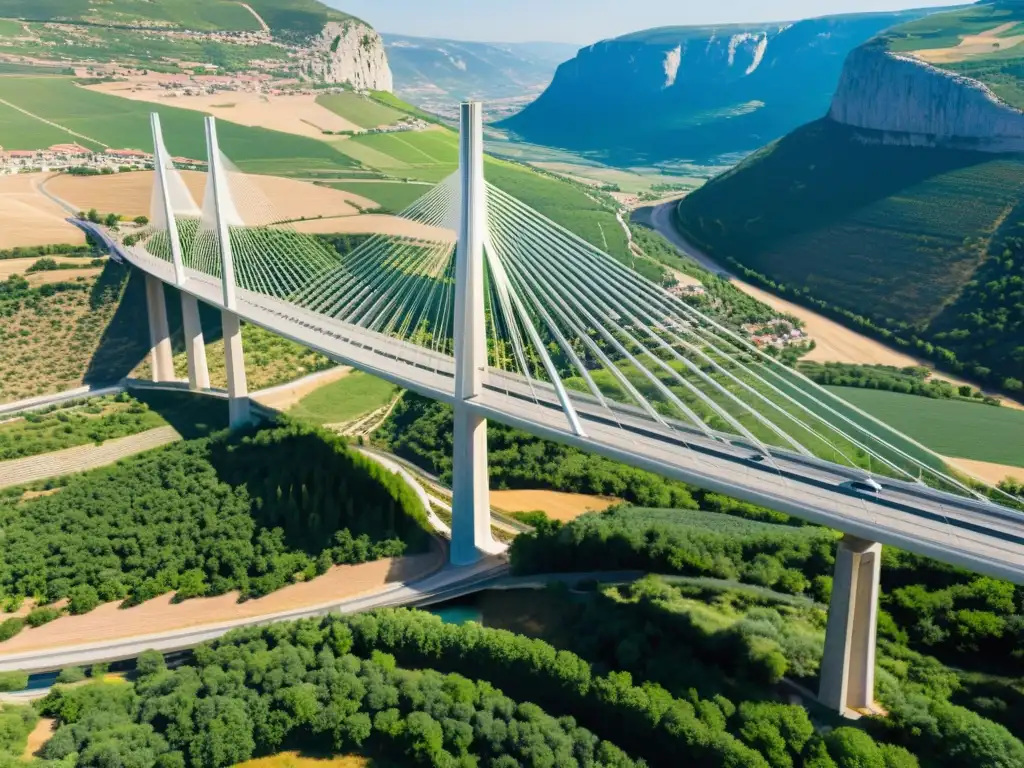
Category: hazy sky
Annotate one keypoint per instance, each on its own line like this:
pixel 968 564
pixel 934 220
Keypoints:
pixel 587 21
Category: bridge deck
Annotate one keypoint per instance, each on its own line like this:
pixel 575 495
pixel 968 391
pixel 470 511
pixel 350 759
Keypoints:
pixel 977 535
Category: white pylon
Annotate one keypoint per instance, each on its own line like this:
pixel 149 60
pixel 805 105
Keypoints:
pixel 222 208
pixel 160 161
pixel 471 511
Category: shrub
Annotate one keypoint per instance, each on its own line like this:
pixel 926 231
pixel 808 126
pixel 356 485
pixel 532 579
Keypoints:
pixel 42 615
pixel 70 675
pixel 11 627
pixel 13 681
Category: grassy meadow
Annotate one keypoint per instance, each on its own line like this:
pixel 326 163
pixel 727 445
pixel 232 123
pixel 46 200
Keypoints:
pixel 360 110
pixel 355 395
pixel 393 197
pixel 949 427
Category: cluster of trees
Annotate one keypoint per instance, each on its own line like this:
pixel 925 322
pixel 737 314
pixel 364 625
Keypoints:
pixel 914 380
pixel 95 421
pixel 680 542
pixel 644 719
pixel 263 688
pixel 50 265
pixel 249 511
pixel 29 251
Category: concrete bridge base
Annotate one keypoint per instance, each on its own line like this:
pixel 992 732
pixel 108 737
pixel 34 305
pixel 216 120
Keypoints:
pixel 234 358
pixel 195 344
pixel 471 496
pixel 848 665
pixel 160 358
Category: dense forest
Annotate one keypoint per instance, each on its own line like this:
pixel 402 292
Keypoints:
pixel 249 511
pixel 479 697
pixel 957 615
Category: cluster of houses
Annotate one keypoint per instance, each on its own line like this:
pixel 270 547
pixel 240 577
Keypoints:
pixel 62 157
pixel 777 333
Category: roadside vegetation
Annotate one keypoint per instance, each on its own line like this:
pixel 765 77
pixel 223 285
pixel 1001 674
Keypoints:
pixel 96 420
pixel 249 511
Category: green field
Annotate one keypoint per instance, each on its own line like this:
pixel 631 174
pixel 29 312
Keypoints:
pixel 949 427
pixel 358 394
pixel 360 110
pixel 420 155
pixel 121 123
pixel 10 28
pixel 393 197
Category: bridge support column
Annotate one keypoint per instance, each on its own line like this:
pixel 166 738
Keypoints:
pixel 195 344
pixel 848 665
pixel 234 358
pixel 160 357
pixel 471 507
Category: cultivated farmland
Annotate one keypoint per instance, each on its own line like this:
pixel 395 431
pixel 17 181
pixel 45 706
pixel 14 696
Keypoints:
pixel 99 120
pixel 393 197
pixel 360 110
pixel 949 427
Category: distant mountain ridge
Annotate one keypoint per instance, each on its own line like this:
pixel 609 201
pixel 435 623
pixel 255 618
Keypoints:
pixel 697 92
pixel 433 72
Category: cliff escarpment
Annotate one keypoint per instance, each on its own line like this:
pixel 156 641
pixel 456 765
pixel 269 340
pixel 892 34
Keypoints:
pixel 349 52
pixel 901 100
pixel 696 92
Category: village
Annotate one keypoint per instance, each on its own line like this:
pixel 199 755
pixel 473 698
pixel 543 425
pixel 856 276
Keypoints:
pixel 75 158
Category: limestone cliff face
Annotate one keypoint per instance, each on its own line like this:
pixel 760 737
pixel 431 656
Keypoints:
pixel 348 52
pixel 902 100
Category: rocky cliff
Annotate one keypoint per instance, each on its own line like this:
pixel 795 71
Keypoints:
pixel 901 100
pixel 697 92
pixel 349 52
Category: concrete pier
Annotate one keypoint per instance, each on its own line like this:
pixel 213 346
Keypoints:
pixel 234 357
pixel 848 664
pixel 161 359
pixel 195 344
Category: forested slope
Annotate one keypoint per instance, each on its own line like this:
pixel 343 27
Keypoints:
pixel 248 511
pixel 921 247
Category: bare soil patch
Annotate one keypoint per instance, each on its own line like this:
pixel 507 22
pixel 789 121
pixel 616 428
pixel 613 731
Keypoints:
pixel 557 505
pixel 128 194
pixel 972 46
pixel 31 218
pixel 161 615
pixel 41 734
pixel 299 115
pixel 295 760
pixel 377 224
pixel 986 470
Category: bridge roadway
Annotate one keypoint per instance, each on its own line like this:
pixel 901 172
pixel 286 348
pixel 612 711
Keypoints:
pixel 977 535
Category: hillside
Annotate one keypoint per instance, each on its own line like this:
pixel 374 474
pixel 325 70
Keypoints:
pixel 696 92
pixel 297 38
pixel 438 74
pixel 919 245
pixel 303 16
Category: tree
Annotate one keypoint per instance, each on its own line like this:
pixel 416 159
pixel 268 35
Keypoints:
pixel 112 220
pixel 142 220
